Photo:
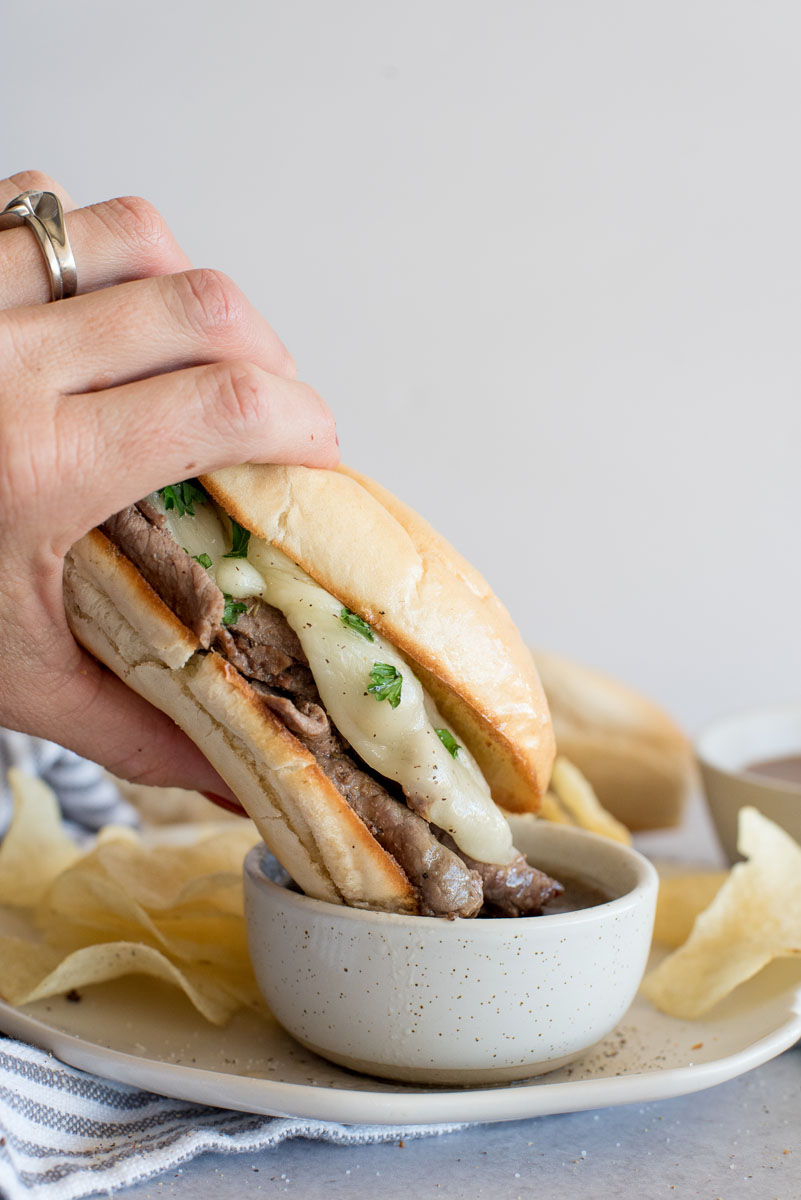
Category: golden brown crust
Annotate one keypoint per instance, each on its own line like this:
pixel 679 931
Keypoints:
pixel 304 820
pixel 638 761
pixel 386 563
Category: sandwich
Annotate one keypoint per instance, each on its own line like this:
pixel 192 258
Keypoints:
pixel 353 680
pixel 639 762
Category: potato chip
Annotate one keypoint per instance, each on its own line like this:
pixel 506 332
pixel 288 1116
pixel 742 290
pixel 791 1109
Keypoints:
pixel 572 800
pixel 551 810
pixel 82 898
pixel 754 918
pixel 681 899
pixel 36 847
pixel 156 875
pixel 109 960
pixel 23 963
pixel 169 906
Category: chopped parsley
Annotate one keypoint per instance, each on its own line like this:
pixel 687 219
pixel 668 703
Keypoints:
pixel 183 497
pixel 387 683
pixel 449 741
pixel 352 621
pixel 232 611
pixel 203 559
pixel 240 538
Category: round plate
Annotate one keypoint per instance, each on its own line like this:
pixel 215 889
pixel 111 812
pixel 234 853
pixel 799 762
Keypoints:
pixel 146 1034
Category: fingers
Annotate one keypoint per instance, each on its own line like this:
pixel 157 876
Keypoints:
pixel 32 181
pixel 223 802
pixel 52 688
pixel 155 373
pixel 198 420
pixel 146 327
pixel 112 242
pixel 111 724
pixel 128 441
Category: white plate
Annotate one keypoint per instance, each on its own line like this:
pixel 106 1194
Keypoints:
pixel 143 1033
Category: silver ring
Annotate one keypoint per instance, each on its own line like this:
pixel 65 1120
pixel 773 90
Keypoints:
pixel 43 214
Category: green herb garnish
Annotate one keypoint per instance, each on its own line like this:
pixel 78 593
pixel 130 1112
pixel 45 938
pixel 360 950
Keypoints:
pixel 203 559
pixel 240 538
pixel 449 741
pixel 233 608
pixel 352 621
pixel 387 683
pixel 183 497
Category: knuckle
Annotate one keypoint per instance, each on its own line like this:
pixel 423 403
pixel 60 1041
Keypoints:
pixel 20 353
pixel 212 303
pixel 35 181
pixel 326 427
pixel 287 365
pixel 28 437
pixel 239 395
pixel 143 229
pixel 316 402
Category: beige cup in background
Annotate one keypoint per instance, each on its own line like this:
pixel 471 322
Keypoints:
pixel 727 747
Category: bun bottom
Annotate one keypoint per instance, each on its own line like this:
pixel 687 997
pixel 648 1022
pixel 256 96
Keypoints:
pixel 305 822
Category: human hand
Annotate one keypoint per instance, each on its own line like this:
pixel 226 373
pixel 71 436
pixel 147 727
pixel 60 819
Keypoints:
pixel 154 372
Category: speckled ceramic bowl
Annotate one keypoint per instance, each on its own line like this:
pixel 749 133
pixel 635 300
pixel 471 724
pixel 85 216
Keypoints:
pixel 727 747
pixel 457 1002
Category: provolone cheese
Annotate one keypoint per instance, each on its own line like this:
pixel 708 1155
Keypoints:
pixel 399 743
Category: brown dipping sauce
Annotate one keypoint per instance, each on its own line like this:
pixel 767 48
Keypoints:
pixel 787 769
pixel 578 893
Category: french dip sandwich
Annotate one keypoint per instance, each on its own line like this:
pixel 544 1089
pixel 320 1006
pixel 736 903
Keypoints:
pixel 354 681
pixel 639 763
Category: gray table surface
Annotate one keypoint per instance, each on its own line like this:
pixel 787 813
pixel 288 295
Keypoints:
pixel 740 1139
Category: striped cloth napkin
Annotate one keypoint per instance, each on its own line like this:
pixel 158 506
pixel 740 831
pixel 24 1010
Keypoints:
pixel 65 1134
pixel 87 797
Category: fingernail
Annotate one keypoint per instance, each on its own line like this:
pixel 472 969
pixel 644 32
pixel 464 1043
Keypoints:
pixel 223 802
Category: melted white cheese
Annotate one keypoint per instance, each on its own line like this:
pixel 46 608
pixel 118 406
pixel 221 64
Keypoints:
pixel 399 743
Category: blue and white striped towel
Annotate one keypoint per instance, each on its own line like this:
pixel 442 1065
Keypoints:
pixel 65 1134
pixel 87 797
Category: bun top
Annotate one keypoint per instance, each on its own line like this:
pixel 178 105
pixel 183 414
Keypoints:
pixel 383 561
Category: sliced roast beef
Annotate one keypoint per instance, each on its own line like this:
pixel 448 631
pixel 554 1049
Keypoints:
pixel 306 719
pixel 183 585
pixel 447 886
pixel 513 889
pixel 152 514
pixel 262 645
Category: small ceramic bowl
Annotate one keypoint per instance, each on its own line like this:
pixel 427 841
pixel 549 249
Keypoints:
pixel 429 1000
pixel 727 748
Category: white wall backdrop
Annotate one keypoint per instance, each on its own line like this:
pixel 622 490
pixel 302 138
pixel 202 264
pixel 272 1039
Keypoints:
pixel 542 258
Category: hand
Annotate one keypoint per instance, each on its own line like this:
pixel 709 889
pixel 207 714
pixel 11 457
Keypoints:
pixel 153 373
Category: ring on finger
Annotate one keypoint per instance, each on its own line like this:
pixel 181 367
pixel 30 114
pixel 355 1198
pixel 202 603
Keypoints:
pixel 44 216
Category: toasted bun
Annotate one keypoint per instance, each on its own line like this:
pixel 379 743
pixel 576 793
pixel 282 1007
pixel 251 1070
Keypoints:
pixel 304 820
pixel 386 563
pixel 637 760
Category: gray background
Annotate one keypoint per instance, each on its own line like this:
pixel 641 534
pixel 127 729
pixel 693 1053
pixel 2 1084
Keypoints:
pixel 541 258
